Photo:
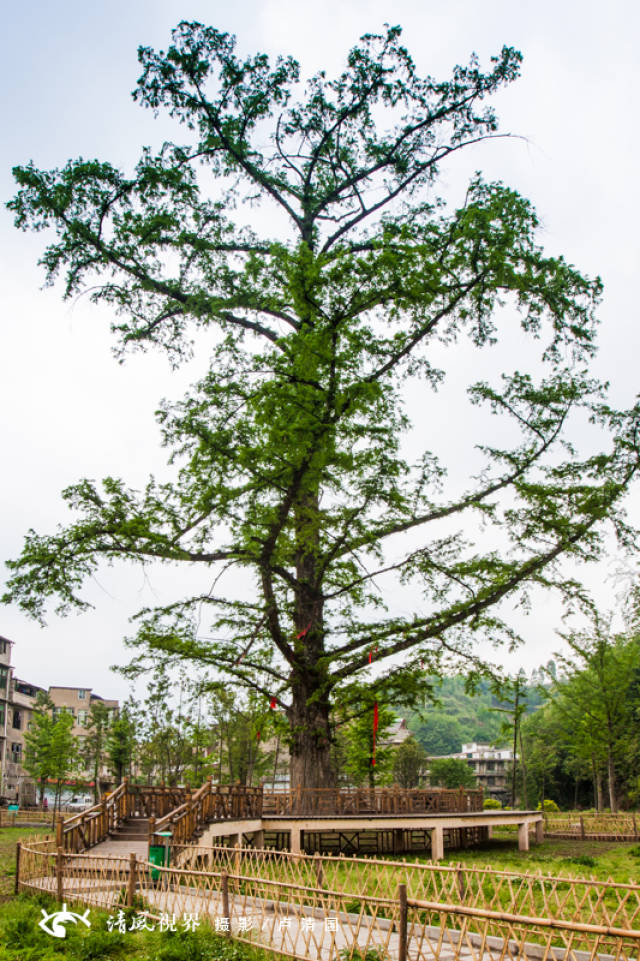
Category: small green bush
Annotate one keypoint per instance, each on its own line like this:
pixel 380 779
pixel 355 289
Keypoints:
pixel 584 860
pixel 549 805
pixel 491 804
pixel 371 954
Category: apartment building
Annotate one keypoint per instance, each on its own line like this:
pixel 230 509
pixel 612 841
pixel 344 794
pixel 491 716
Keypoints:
pixel 21 705
pixel 77 701
pixel 5 690
pixel 17 703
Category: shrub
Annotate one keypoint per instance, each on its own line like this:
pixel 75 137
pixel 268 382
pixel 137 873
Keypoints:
pixel 491 803
pixel 549 805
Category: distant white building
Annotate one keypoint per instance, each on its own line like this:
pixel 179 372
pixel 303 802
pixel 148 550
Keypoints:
pixel 491 767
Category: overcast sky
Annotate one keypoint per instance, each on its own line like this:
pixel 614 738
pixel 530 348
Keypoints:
pixel 68 410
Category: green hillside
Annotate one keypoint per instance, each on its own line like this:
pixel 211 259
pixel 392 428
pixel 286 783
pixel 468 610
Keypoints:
pixel 459 717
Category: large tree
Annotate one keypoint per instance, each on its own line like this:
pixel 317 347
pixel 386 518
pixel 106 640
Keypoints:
pixel 292 459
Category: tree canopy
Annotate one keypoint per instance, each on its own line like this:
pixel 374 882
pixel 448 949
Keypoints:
pixel 291 459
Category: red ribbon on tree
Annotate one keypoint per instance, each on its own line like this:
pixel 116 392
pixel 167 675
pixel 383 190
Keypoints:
pixel 272 703
pixel 375 728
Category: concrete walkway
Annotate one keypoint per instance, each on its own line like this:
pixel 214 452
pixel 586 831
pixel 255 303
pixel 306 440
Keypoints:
pixel 120 848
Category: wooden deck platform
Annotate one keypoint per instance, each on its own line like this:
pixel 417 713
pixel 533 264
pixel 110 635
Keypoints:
pixel 433 824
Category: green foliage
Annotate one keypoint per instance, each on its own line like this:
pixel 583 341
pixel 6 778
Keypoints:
pixel 51 752
pixel 287 454
pixel 358 742
pixel 93 745
pixel 21 938
pixel 450 772
pixel 491 804
pixel 363 954
pixel 409 761
pixel 120 745
pixel 463 714
pixel 585 738
pixel 548 805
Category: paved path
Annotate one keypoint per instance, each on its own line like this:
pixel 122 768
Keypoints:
pixel 120 848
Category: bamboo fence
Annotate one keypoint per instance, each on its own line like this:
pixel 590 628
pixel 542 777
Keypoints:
pixel 624 826
pixel 10 819
pixel 561 898
pixel 312 907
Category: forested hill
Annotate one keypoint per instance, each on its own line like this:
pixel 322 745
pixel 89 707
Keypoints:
pixel 459 717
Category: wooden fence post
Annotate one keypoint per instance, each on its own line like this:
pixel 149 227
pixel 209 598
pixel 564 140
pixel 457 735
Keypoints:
pixel 635 826
pixel 582 827
pixel 59 830
pixel 60 874
pixel 17 884
pixel 224 890
pixel 131 886
pixel 462 886
pixel 402 922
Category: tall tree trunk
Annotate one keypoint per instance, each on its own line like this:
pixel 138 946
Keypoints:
pixel 515 748
pixel 309 720
pixel 525 796
pixel 599 797
pixel 611 777
pixel 310 739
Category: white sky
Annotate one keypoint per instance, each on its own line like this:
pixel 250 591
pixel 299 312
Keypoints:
pixel 68 410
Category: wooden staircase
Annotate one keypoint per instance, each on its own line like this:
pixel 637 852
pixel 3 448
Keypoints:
pixel 131 829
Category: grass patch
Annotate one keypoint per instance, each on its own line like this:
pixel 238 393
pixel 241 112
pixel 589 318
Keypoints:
pixel 602 860
pixel 9 837
pixel 22 940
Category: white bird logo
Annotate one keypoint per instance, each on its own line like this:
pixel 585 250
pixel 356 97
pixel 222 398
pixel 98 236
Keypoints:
pixel 58 920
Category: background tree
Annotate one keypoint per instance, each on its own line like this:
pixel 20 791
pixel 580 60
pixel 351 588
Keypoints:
pixel 512 692
pixel 358 743
pixel 599 693
pixel 409 762
pixel 93 745
pixel 121 744
pixel 450 772
pixel 289 462
pixel 63 755
pixel 37 756
pixel 242 731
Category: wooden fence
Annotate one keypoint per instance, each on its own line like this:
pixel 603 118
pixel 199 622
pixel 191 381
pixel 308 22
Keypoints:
pixel 578 900
pixel 596 827
pixel 187 813
pixel 311 908
pixel 211 802
pixel 392 800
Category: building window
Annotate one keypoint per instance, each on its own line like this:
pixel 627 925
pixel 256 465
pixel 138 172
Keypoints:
pixel 82 718
pixel 81 694
pixel 3 646
pixel 2 714
pixel 16 752
pixel 4 674
pixel 17 720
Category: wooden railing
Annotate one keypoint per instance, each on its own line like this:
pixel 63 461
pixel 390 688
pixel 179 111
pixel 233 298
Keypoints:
pixel 90 827
pixel 392 800
pixel 211 802
pixel 186 814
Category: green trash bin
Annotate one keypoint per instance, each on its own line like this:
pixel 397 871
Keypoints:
pixel 159 854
